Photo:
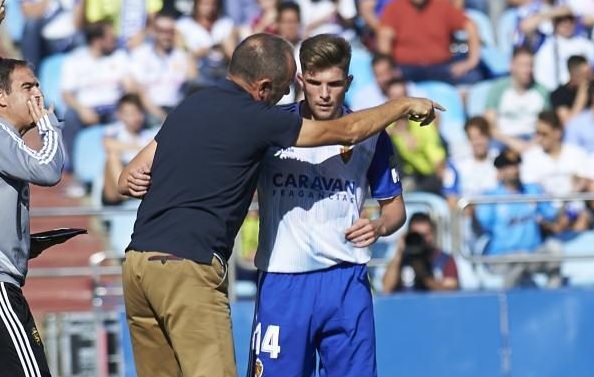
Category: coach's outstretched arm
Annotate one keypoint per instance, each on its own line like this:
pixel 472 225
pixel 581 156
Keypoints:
pixel 350 129
pixel 357 126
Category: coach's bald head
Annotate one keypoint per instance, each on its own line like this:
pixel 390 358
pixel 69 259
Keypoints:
pixel 263 64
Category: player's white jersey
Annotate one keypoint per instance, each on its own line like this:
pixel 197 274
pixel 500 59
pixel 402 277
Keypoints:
pixel 308 197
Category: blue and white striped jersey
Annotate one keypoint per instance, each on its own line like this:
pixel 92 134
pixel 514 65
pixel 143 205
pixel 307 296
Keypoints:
pixel 308 197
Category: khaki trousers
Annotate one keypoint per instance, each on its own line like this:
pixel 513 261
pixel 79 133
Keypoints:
pixel 179 316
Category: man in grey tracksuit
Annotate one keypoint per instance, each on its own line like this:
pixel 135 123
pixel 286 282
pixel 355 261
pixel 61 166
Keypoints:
pixel 22 111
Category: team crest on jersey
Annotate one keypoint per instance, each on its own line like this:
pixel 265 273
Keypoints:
pixel 346 153
pixel 35 335
pixel 258 368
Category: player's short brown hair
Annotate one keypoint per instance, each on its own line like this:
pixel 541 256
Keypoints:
pixel 325 51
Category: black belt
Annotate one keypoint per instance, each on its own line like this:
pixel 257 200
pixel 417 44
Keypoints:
pixel 164 258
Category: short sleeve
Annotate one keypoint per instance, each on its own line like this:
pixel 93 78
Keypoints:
pixel 279 127
pixel 383 175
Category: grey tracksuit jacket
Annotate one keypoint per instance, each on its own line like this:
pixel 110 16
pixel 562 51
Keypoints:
pixel 19 166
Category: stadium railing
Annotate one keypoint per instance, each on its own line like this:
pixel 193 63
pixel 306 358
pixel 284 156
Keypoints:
pixel 104 273
pixel 576 258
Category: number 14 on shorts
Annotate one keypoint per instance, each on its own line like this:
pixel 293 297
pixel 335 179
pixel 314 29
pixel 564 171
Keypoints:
pixel 269 343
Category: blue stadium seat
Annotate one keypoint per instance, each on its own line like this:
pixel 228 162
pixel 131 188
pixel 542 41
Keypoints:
pixel 88 160
pixel 361 70
pixel 15 21
pixel 484 26
pixel 506 27
pixel 579 271
pixel 476 98
pixel 495 61
pixel 451 124
pixel 50 71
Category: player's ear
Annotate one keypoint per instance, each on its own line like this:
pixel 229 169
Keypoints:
pixel 300 79
pixel 349 81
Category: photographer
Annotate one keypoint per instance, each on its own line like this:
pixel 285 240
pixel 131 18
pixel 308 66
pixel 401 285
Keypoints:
pixel 418 263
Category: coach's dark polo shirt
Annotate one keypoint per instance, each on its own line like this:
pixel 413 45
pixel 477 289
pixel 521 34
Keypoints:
pixel 205 171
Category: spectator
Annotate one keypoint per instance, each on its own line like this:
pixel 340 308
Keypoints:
pixel 557 167
pixel 123 140
pixel 535 22
pixel 161 69
pixel 289 28
pixel 550 61
pixel 370 11
pixel 375 93
pixel 572 98
pixel 419 149
pixel 328 16
pixel 211 38
pixel 93 78
pixel 423 53
pixel 419 264
pixel 265 21
pixel 289 23
pixel 51 26
pixel 580 129
pixel 384 70
pixel 513 102
pixel 473 174
pixel 240 11
pixel 515 228
pixel 129 17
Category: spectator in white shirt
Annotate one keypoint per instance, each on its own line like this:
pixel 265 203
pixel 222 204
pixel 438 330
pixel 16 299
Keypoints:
pixel 550 61
pixel 559 168
pixel 93 78
pixel 161 69
pixel 211 38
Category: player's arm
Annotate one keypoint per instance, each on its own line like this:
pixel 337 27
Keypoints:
pixel 391 281
pixel 357 126
pixel 135 179
pixel 365 232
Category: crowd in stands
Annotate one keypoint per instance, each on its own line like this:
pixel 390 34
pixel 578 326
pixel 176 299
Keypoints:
pixel 520 116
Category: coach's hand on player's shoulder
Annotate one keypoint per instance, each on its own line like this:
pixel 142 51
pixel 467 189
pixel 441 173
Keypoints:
pixel 422 110
pixel 139 181
pixel 362 233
